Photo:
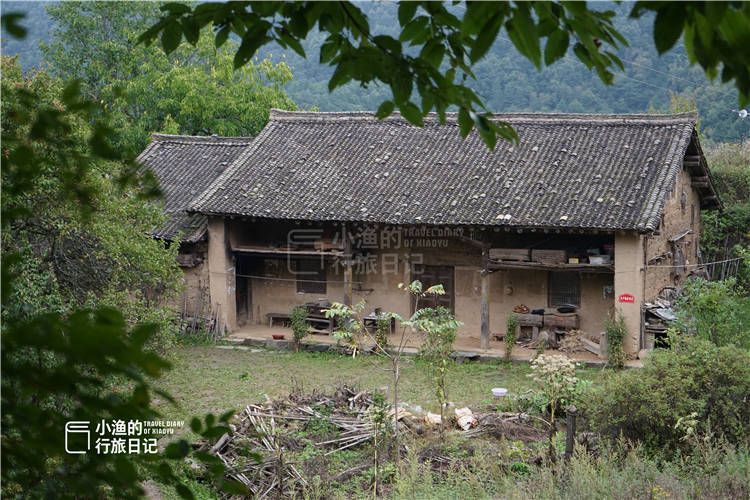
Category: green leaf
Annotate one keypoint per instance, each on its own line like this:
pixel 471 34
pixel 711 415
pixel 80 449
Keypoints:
pixel 196 425
pixel 226 416
pixel 668 26
pixel 582 54
pixel 222 36
pixel 191 30
pixel 171 37
pixel 406 11
pixel 72 92
pixel 327 51
pixel 215 432
pixel 384 110
pixel 292 42
pixel 236 488
pixel 557 46
pixel 177 449
pixel 412 113
pixel 184 491
pixel 339 77
pixel 175 8
pixel 489 138
pixel 11 25
pixel 433 52
pixel 414 29
pixel 523 34
pixel 465 123
pixel 253 39
pixel 486 38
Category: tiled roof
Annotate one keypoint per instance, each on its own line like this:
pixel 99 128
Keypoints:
pixel 575 171
pixel 185 166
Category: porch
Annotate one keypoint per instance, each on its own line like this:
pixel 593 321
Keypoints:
pixel 487 274
pixel 465 347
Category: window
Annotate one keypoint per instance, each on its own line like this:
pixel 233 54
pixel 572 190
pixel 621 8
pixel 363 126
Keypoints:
pixel 564 289
pixel 311 276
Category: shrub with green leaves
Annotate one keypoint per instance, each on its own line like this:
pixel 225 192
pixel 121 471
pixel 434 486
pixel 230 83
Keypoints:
pixel 300 328
pixel 694 376
pixel 440 329
pixel 718 311
pixel 616 330
pixel 382 330
pixel 511 332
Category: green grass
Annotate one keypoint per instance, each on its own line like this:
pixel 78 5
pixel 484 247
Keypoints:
pixel 207 379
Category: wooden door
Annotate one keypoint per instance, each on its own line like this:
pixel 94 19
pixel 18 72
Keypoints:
pixel 436 275
pixel 244 267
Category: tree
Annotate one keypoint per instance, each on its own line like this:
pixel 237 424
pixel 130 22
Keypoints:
pixel 57 366
pixel 353 331
pixel 191 91
pixel 449 46
pixel 439 328
pixel 68 259
pixel 96 42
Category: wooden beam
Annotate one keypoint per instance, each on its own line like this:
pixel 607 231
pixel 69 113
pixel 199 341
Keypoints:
pixel 700 182
pixel 708 200
pixel 484 335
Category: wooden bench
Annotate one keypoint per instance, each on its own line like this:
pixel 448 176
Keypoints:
pixel 310 319
pixel 371 320
pixel 273 316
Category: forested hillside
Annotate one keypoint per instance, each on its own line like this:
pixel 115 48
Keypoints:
pixel 507 81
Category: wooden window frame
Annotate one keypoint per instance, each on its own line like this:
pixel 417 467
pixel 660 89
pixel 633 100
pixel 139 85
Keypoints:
pixel 570 296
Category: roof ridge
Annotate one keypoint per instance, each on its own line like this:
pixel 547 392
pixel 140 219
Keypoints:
pixel 203 139
pixel 664 183
pixel 451 117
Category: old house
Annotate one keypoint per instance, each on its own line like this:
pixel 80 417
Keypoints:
pixel 185 166
pixel 589 215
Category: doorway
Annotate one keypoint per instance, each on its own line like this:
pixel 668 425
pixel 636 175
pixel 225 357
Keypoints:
pixel 436 275
pixel 245 266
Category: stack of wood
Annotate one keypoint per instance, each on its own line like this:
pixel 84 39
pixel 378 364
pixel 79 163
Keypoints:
pixel 201 318
pixel 268 430
pixel 571 342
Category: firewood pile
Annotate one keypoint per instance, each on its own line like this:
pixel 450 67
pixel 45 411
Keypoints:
pixel 269 431
pixel 509 425
pixel 571 342
pixel 261 451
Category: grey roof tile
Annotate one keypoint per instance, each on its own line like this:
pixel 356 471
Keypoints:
pixel 185 166
pixel 573 171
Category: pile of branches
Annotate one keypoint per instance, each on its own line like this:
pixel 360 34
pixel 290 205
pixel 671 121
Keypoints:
pixel 255 453
pixel 511 426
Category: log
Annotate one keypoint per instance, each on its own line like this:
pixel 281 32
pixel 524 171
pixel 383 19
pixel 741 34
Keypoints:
pixel 590 346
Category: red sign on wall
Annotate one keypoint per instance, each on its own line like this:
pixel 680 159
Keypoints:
pixel 626 297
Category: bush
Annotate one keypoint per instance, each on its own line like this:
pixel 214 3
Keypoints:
pixel 714 310
pixel 298 320
pixel 616 331
pixel 695 376
pixel 382 330
pixel 440 329
pixel 511 330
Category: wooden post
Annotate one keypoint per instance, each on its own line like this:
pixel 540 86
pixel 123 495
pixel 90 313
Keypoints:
pixel 347 267
pixel 570 431
pixel 484 336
